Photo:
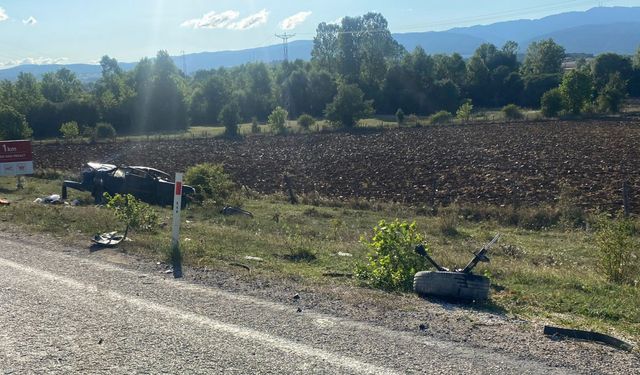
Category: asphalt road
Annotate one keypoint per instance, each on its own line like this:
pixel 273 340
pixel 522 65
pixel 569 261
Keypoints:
pixel 62 313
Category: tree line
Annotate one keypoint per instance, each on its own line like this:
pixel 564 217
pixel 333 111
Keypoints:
pixel 356 69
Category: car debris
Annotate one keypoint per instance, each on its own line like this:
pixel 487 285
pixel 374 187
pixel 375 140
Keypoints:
pixel 587 336
pixel 459 284
pixel 110 239
pixel 4 202
pixel 147 184
pixel 51 199
pixel 230 210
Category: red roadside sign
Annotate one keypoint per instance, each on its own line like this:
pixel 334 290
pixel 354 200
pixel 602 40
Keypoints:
pixel 16 158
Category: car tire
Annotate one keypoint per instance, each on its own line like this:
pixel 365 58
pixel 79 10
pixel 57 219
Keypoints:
pixel 451 285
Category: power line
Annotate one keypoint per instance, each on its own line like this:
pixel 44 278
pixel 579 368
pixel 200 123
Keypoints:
pixel 285 43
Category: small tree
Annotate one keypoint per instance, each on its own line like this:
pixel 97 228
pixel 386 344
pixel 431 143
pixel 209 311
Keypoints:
pixel 400 116
pixel 306 121
pixel 348 106
pixel 70 130
pixel 133 213
pixel 612 95
pixel 278 120
pixel 619 257
pixel 464 112
pixel 104 130
pixel 552 103
pixel 13 124
pixel 512 112
pixel 576 89
pixel 230 117
pixel 255 128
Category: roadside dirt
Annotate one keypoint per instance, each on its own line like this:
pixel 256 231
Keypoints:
pixel 472 325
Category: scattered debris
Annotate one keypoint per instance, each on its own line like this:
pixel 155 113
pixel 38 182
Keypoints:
pixel 337 274
pixel 230 210
pixel 296 297
pixel 110 239
pixel 241 266
pixel 168 271
pixel 51 199
pixel 299 309
pixel 100 341
pixel 4 202
pixel 257 259
pixel 341 254
pixel 423 327
pixel 587 336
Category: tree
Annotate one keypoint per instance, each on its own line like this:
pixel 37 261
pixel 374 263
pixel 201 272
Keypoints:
pixel 478 80
pixel 208 98
pixel 613 93
pixel 295 92
pixel 400 116
pixel 576 88
pixel 348 106
pixel 278 120
pixel 325 46
pixel 230 117
pixel 543 57
pixel 14 126
pixel 606 64
pixel 445 95
pixel 61 86
pixel 536 85
pixel 70 130
pixel 464 112
pixel 305 121
pixel 552 103
pixel 322 89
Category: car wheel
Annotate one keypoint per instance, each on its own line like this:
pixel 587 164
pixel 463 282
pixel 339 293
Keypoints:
pixel 451 285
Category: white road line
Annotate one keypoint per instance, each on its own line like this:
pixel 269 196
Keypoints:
pixel 279 343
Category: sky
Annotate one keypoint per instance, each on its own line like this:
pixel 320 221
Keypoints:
pixel 82 31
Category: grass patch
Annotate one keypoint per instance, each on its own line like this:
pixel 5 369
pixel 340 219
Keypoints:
pixel 549 274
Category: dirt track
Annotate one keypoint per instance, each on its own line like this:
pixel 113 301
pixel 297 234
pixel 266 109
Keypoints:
pixel 528 164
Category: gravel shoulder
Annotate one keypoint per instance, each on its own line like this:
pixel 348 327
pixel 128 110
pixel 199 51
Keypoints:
pixel 344 324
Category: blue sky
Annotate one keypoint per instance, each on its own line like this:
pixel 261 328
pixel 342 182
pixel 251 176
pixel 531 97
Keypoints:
pixel 70 31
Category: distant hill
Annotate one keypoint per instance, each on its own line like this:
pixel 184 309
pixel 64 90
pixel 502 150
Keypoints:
pixel 598 30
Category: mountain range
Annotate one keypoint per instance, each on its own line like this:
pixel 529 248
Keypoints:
pixel 598 30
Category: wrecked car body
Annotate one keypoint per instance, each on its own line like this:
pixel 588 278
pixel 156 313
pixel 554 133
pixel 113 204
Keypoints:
pixel 146 184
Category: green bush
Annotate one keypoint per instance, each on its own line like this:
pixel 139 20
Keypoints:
pixel 392 261
pixel 613 94
pixel 305 121
pixel 132 212
pixel 442 117
pixel 212 184
pixel 230 117
pixel 400 116
pixel 255 128
pixel 464 112
pixel 552 103
pixel 70 130
pixel 618 250
pixel 412 119
pixel 13 125
pixel 104 130
pixel 278 120
pixel 512 112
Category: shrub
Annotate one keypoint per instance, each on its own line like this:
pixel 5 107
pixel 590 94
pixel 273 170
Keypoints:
pixel 392 261
pixel 552 103
pixel 212 184
pixel 442 117
pixel 278 120
pixel 618 252
pixel 464 112
pixel 412 119
pixel 70 130
pixel 512 112
pixel 132 212
pixel 305 121
pixel 13 124
pixel 230 117
pixel 400 116
pixel 612 95
pixel 255 129
pixel 105 130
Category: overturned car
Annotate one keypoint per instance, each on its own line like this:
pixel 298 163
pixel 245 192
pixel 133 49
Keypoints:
pixel 147 184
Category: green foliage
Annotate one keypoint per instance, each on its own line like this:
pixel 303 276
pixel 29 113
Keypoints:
pixel 278 120
pixel 442 117
pixel 133 213
pixel 612 94
pixel 618 250
pixel 104 130
pixel 348 106
pixel 552 103
pixel 255 128
pixel 212 184
pixel 70 130
pixel 512 112
pixel 13 125
pixel 606 64
pixel 576 88
pixel 464 112
pixel 400 116
pixel 306 121
pixel 543 57
pixel 392 261
pixel 230 117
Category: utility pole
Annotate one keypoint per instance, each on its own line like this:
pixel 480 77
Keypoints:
pixel 285 43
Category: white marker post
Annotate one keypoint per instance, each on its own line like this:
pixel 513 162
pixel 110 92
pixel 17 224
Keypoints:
pixel 176 256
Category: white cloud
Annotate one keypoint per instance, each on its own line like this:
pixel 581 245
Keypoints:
pixel 212 20
pixel 30 21
pixel 290 23
pixel 3 15
pixel 34 61
pixel 251 21
pixel 337 21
